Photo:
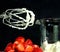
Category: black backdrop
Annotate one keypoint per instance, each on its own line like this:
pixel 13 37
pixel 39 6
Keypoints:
pixel 41 8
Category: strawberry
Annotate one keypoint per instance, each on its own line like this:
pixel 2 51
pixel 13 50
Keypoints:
pixel 37 48
pixel 29 48
pixel 29 42
pixel 15 44
pixel 20 47
pixel 9 48
pixel 20 39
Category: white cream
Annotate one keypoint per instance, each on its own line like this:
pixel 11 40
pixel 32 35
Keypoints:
pixel 55 47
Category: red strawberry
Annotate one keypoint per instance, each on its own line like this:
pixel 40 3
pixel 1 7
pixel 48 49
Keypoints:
pixel 29 42
pixel 9 48
pixel 29 48
pixel 15 44
pixel 35 46
pixel 20 39
pixel 20 47
pixel 37 49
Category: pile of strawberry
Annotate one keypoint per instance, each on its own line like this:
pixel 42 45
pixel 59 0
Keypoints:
pixel 20 45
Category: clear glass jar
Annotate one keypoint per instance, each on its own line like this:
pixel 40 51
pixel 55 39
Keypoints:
pixel 50 29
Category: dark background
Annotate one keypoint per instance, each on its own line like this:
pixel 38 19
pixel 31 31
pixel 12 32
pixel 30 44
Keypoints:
pixel 41 8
